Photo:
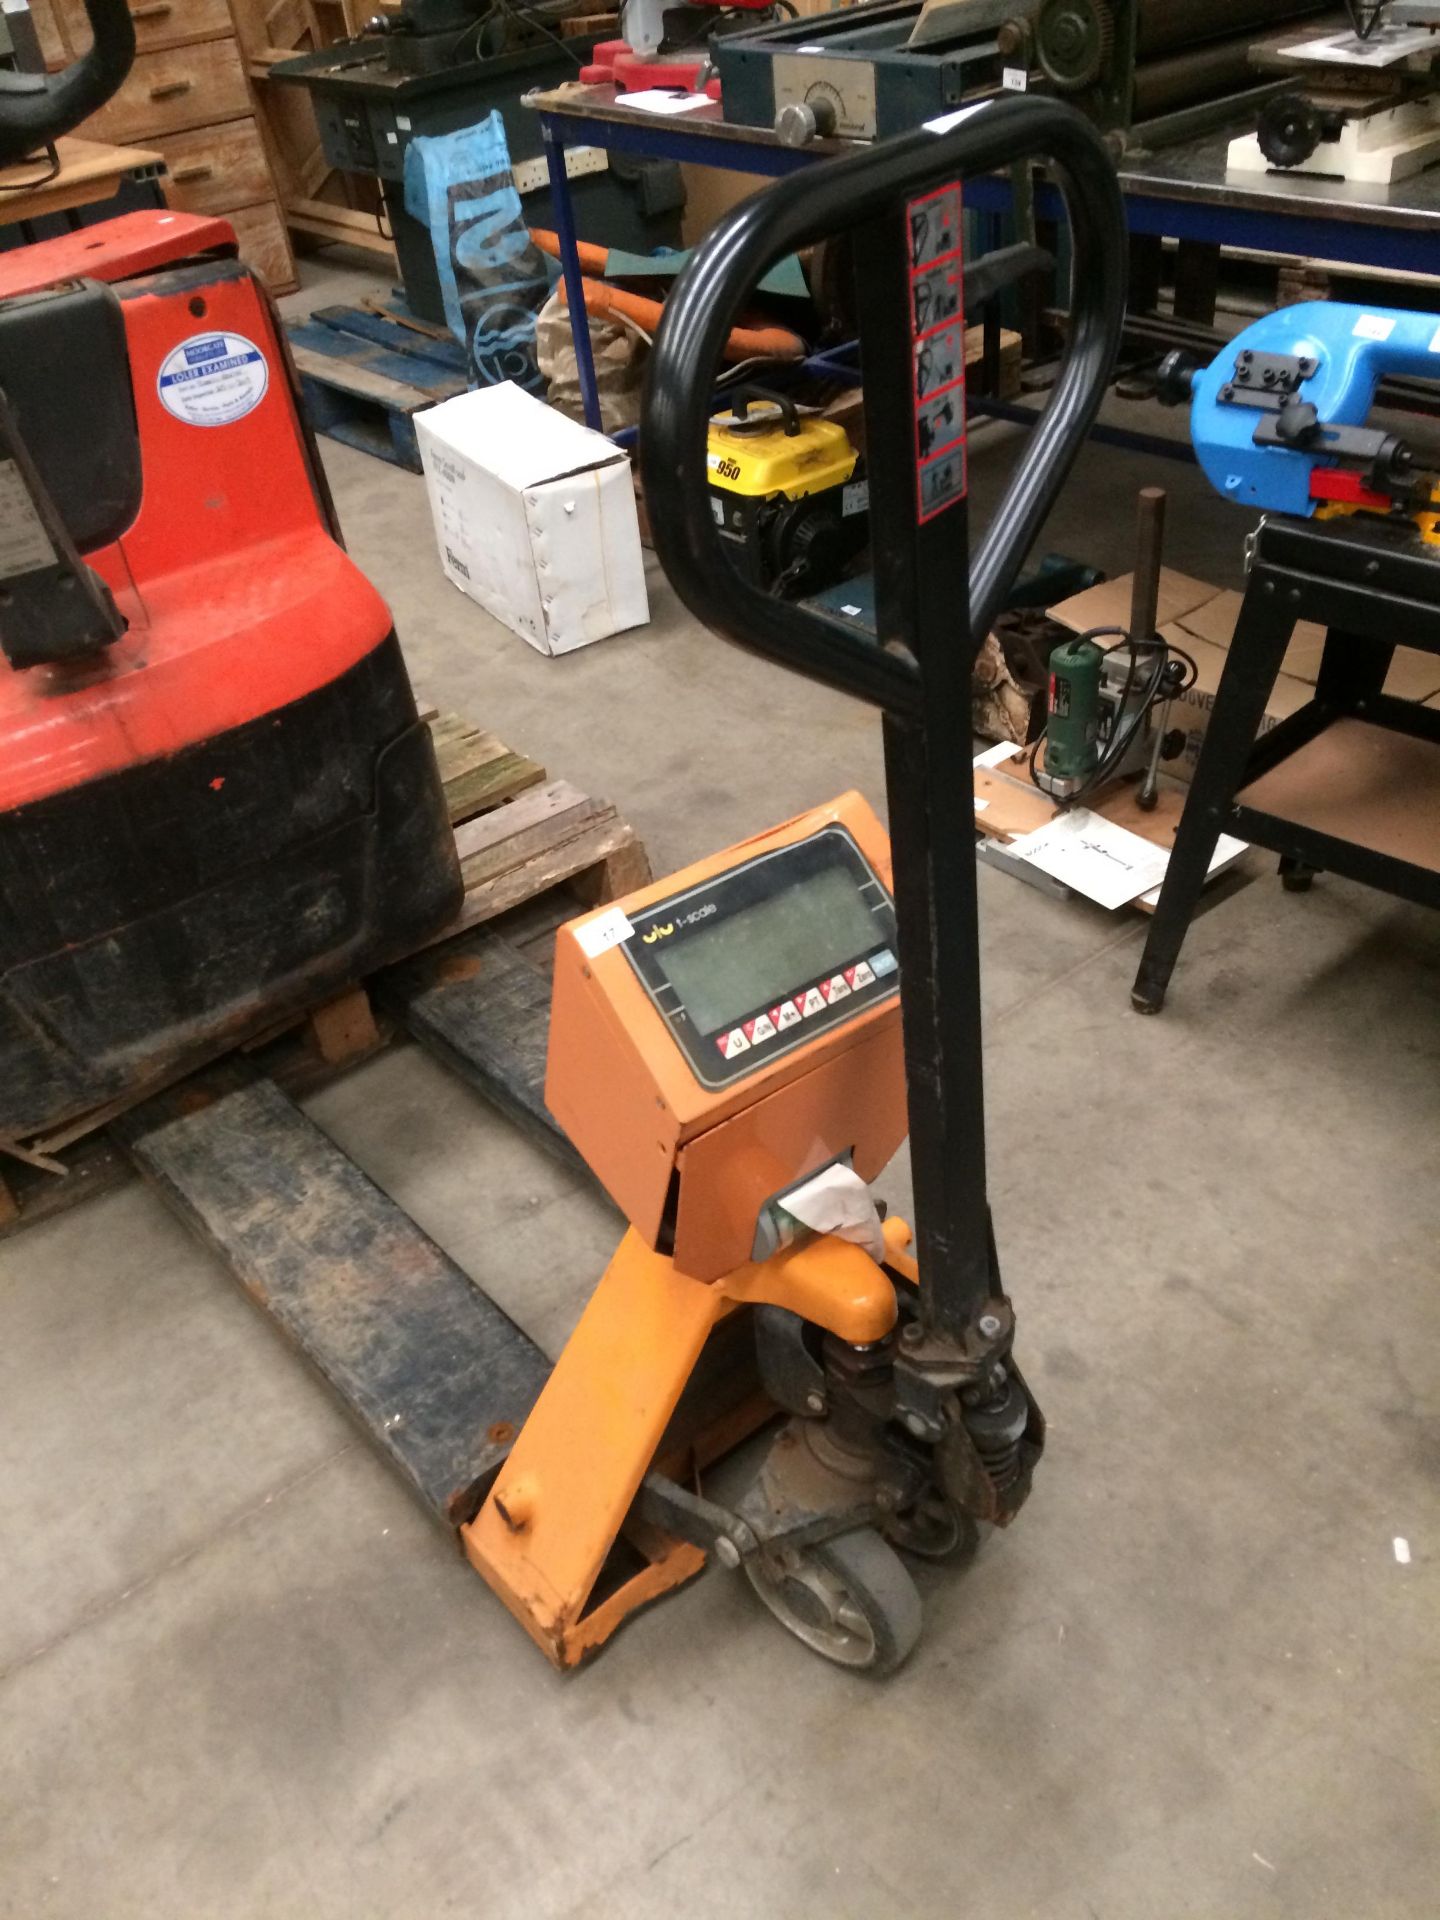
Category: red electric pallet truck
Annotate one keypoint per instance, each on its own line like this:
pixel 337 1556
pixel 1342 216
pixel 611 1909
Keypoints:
pixel 217 802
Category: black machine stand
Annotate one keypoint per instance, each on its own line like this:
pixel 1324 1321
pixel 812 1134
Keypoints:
pixel 373 96
pixel 902 200
pixel 1370 582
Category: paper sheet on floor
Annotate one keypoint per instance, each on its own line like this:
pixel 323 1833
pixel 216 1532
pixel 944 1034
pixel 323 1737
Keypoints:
pixel 997 755
pixel 1227 851
pixel 1083 850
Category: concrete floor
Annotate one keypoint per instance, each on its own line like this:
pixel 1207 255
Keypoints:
pixel 241 1675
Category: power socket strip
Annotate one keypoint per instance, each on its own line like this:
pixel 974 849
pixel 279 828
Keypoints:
pixel 530 175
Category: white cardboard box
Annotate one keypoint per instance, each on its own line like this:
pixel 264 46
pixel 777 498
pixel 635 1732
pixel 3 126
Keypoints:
pixel 534 517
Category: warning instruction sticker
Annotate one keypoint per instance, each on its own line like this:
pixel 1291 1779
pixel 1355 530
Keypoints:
pixel 25 547
pixel 937 329
pixel 213 379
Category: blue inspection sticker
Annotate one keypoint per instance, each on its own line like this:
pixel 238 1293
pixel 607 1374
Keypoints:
pixel 213 379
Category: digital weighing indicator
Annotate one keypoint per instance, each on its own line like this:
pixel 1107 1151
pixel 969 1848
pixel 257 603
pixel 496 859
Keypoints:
pixel 762 959
pixel 732 1029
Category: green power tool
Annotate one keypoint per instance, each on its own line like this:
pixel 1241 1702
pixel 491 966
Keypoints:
pixel 1072 727
pixel 1104 700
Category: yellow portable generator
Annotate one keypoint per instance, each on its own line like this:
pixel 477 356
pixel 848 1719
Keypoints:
pixel 787 493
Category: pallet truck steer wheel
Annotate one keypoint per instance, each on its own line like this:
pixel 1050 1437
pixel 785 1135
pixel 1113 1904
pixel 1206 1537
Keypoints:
pixel 849 1599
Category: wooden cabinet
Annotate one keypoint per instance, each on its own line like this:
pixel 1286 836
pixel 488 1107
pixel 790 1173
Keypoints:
pixel 158 23
pixel 264 241
pixel 173 89
pixel 189 96
pixel 215 169
pixel 48 31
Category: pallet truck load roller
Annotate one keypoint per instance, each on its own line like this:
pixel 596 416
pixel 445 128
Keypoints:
pixel 724 1037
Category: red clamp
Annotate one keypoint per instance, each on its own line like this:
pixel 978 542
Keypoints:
pixel 616 64
pixel 1346 487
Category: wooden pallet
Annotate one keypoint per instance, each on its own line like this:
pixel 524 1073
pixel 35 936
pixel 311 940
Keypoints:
pixel 533 851
pixel 365 372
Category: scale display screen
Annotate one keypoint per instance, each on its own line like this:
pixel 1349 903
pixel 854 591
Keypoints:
pixel 759 960
pixel 807 929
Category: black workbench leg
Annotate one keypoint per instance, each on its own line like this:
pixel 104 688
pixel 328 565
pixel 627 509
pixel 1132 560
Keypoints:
pixel 1147 270
pixel 1353 667
pixel 1038 293
pixel 1295 876
pixel 990 355
pixel 1251 666
pixel 1197 277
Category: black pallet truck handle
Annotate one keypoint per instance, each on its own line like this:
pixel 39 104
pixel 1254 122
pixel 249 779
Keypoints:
pixel 36 108
pixel 826 199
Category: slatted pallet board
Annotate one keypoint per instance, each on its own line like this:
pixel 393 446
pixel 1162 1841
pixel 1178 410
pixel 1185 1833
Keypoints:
pixel 533 851
pixel 365 374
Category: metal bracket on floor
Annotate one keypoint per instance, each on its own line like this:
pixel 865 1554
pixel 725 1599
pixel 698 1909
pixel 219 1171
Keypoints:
pixel 994 855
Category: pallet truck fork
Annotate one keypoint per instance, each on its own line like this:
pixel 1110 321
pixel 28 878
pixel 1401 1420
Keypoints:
pixel 729 1049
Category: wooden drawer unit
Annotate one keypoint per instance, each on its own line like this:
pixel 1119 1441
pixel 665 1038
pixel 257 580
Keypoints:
pixel 176 88
pixel 158 23
pixel 188 96
pixel 212 169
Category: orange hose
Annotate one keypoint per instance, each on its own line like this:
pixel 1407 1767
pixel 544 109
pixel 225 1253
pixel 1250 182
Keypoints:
pixel 744 343
pixel 593 258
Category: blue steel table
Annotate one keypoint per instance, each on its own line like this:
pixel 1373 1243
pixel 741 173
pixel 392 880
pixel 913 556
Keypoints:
pixel 1183 193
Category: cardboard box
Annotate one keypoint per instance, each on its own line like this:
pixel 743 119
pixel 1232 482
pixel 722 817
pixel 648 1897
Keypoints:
pixel 1413 675
pixel 1190 713
pixel 1198 617
pixel 534 517
pixel 1108 605
pixel 1201 619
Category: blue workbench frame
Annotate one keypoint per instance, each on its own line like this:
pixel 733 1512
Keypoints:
pixel 1284 229
pixel 660 142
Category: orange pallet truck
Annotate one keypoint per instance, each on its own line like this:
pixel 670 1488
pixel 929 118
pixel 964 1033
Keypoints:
pixel 736 1050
